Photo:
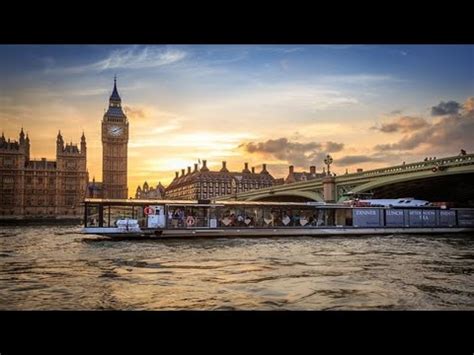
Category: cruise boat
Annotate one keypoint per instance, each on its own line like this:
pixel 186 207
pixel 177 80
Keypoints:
pixel 171 218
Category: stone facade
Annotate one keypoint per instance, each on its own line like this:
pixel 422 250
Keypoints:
pixel 205 184
pixel 42 188
pixel 303 176
pixel 114 149
pixel 150 193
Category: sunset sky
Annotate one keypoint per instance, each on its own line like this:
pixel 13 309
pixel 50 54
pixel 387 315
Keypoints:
pixel 368 106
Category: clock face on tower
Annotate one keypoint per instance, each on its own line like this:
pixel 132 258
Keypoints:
pixel 115 131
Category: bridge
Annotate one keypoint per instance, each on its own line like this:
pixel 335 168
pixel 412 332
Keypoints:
pixel 445 179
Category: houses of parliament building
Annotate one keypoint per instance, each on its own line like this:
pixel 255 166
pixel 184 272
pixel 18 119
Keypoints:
pixel 56 188
pixel 42 188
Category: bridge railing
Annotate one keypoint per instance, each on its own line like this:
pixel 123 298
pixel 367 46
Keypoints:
pixel 450 161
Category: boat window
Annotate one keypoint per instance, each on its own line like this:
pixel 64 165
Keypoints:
pixel 250 217
pixel 188 217
pixel 268 218
pixel 92 216
pixel 140 216
pixel 196 217
pixel 306 217
pixel 286 218
pixel 175 217
pixel 325 217
pixel 228 217
pixel 212 217
pixel 343 217
pixel 114 213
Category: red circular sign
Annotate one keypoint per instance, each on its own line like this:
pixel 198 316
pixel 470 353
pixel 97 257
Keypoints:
pixel 149 210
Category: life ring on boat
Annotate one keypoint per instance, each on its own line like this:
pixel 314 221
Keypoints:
pixel 190 221
pixel 435 169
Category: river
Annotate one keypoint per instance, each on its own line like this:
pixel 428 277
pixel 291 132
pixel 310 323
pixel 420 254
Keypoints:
pixel 57 268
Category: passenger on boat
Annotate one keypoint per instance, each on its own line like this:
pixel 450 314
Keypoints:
pixel 175 220
pixel 276 218
pixel 240 220
pixel 296 219
pixel 181 217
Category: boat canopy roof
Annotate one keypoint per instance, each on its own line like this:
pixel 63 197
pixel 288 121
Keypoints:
pixel 133 202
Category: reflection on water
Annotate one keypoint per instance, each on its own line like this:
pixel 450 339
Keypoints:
pixel 57 268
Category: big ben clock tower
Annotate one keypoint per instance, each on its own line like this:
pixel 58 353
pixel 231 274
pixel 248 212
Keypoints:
pixel 114 148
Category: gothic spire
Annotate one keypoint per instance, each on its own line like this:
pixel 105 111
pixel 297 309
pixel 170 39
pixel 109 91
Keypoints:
pixel 115 104
pixel 115 96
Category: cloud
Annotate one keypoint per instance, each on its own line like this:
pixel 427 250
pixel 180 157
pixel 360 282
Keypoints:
pixel 279 49
pixel 469 105
pixel 395 112
pixel 446 108
pixel 339 46
pixel 357 159
pixel 299 154
pixel 359 78
pixel 134 112
pixel 135 57
pixel 333 147
pixel 403 124
pixel 450 133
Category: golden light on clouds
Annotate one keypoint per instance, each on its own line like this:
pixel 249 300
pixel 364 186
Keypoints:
pixel 186 103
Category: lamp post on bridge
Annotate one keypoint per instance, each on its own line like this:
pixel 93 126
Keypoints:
pixel 328 161
pixel 329 182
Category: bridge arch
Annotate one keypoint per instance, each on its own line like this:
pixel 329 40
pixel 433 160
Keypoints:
pixel 288 196
pixel 413 185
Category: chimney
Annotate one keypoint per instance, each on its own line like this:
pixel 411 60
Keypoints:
pixel 204 166
pixel 177 174
pixel 264 168
pixel 182 172
pixel 189 170
pixel 291 169
pixel 246 168
pixel 253 170
pixel 195 167
pixel 359 170
pixel 224 169
pixel 312 169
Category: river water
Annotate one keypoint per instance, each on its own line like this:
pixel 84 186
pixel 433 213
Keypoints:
pixel 56 268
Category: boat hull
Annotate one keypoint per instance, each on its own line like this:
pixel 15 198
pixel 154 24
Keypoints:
pixel 320 232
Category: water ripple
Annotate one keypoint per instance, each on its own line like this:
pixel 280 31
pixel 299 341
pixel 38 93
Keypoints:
pixel 57 268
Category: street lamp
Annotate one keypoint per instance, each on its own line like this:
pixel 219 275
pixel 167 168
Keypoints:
pixel 328 161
